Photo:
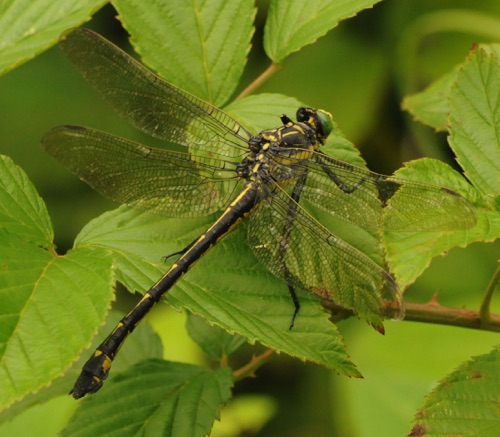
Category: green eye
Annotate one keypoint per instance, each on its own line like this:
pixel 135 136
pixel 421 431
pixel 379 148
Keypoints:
pixel 326 122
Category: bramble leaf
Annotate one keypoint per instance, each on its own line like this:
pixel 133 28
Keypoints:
pixel 465 402
pixel 201 47
pixel 155 397
pixel 292 24
pixel 29 27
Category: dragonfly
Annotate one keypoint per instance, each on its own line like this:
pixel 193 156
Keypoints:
pixel 264 178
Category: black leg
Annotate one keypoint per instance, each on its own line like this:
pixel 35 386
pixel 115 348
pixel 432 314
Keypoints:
pixel 328 171
pixel 296 303
pixel 287 230
pixel 180 252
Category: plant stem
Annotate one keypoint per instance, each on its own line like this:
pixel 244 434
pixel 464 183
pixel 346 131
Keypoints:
pixel 250 368
pixel 273 68
pixel 484 310
pixel 433 312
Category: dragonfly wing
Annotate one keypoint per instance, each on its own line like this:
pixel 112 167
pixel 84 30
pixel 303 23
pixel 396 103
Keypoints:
pixel 158 181
pixel 374 201
pixel 343 190
pixel 149 103
pixel 418 207
pixel 311 257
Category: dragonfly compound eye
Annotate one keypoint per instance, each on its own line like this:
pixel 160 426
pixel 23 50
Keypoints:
pixel 325 122
pixel 320 120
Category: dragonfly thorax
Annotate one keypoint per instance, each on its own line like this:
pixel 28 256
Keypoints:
pixel 278 154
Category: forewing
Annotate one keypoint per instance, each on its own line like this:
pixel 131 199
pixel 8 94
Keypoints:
pixel 149 103
pixel 319 261
pixel 343 190
pixel 158 181
pixel 375 201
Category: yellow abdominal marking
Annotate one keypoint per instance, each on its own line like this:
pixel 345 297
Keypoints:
pixel 106 365
pixel 117 327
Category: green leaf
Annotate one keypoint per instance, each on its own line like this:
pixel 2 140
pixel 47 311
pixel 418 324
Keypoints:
pixel 155 398
pixel 230 288
pixel 431 106
pixel 136 241
pixel 465 403
pixel 469 96
pixel 260 111
pixel 227 286
pixel 292 24
pixel 338 146
pixel 410 253
pixel 215 342
pixel 475 121
pixel 144 344
pixel 22 212
pixel 200 46
pixel 50 308
pixel 31 26
pixel 50 305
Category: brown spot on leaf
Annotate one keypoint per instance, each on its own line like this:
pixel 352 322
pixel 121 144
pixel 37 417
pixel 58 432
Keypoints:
pixel 418 430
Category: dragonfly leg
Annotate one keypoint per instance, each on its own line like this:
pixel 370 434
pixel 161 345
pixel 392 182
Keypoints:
pixel 343 186
pixel 287 230
pixel 180 252
pixel 285 119
pixel 296 303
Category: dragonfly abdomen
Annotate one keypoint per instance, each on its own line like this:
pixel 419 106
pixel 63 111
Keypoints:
pixel 96 369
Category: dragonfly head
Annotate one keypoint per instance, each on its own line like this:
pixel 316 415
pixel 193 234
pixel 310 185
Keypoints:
pixel 320 120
